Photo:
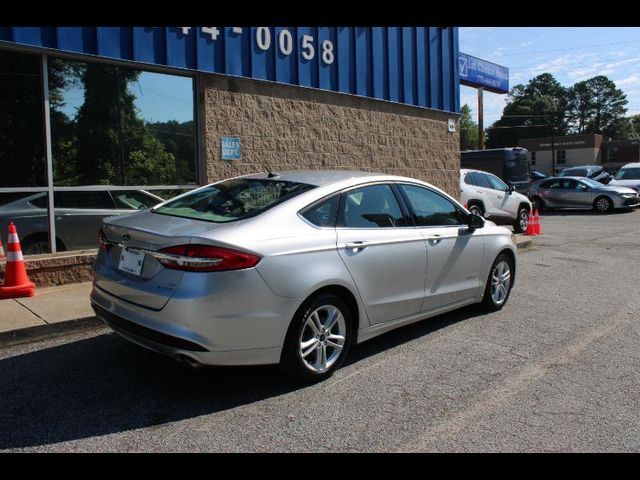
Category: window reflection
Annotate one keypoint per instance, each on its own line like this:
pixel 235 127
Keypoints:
pixel 22 158
pixel 113 125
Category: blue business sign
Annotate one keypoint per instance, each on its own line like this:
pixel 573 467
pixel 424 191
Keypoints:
pixel 475 72
pixel 230 148
pixel 412 65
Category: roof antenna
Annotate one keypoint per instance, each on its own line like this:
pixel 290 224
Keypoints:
pixel 271 174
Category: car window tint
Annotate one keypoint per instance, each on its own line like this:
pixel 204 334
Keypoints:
pixel 580 172
pixel 496 183
pixel 83 200
pixel 569 184
pixel 374 206
pixel 431 208
pixel 133 200
pixel 322 214
pixel 482 180
pixel 470 178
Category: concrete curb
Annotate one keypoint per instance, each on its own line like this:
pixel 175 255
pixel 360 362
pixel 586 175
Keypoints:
pixel 49 330
pixel 523 242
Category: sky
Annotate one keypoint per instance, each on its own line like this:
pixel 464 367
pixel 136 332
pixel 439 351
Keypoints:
pixel 570 54
pixel 159 97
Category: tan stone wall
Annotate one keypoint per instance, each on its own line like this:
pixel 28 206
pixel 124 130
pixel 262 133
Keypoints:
pixel 289 128
pixel 57 269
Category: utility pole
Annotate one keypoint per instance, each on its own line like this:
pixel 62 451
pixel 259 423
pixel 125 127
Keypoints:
pixel 480 120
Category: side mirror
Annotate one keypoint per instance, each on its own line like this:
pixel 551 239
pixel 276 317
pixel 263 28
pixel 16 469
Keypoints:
pixel 475 221
pixel 511 189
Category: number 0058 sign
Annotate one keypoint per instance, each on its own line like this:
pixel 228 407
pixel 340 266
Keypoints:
pixel 284 41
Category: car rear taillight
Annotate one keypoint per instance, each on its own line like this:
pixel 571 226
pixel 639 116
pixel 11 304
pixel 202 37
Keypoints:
pixel 205 258
pixel 102 238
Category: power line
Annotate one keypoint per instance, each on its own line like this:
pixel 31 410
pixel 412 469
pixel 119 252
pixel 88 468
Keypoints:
pixel 571 48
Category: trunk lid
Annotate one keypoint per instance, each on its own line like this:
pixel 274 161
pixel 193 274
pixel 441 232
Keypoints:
pixel 147 232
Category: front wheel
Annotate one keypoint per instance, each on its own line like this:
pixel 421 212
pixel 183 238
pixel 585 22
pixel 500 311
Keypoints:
pixel 318 339
pixel 499 283
pixel 603 205
pixel 522 221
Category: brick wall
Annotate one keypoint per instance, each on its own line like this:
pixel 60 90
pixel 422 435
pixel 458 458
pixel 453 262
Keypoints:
pixel 290 128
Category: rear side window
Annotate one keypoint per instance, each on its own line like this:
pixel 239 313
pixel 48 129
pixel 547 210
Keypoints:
pixel 100 200
pixel 482 180
pixel 322 214
pixel 374 206
pixel 431 209
pixel 470 178
pixel 233 199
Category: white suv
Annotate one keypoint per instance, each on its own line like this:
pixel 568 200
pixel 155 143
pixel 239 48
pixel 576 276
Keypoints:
pixel 486 195
pixel 628 176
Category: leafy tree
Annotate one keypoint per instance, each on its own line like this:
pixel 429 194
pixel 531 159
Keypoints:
pixel 608 105
pixel 537 109
pixel 468 130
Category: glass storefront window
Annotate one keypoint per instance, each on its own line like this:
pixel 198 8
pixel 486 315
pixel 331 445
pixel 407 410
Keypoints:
pixel 29 212
pixel 114 125
pixel 22 157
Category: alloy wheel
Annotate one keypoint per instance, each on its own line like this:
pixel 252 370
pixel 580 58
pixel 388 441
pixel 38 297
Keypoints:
pixel 322 338
pixel 500 282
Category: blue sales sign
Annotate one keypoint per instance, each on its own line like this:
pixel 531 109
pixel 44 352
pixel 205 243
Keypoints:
pixel 476 73
pixel 230 148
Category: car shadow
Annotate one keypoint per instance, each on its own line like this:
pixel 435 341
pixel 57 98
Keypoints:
pixel 104 385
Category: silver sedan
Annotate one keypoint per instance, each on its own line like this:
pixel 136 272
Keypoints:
pixel 581 192
pixel 294 268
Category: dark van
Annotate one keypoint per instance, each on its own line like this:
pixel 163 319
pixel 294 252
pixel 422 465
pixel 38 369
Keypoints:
pixel 509 164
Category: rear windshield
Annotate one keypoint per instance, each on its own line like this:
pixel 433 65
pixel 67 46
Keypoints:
pixel 233 199
pixel 518 168
pixel 628 174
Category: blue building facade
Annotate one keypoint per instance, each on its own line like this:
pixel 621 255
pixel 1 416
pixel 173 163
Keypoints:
pixel 412 65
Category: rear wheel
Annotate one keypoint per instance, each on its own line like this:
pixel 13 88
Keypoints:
pixel 539 204
pixel 522 221
pixel 477 209
pixel 603 205
pixel 318 339
pixel 499 283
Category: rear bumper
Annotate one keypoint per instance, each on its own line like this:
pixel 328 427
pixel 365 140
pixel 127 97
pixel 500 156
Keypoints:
pixel 229 327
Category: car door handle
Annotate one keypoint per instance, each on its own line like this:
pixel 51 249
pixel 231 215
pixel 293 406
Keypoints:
pixel 356 245
pixel 434 239
pixel 479 191
pixel 500 197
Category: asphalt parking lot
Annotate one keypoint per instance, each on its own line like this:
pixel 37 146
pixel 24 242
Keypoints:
pixel 558 369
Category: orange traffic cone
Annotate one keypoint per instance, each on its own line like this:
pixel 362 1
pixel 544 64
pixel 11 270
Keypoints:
pixel 537 223
pixel 531 229
pixel 16 281
pixel 1 249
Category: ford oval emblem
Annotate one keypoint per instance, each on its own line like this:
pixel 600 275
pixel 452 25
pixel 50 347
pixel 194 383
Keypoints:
pixel 126 238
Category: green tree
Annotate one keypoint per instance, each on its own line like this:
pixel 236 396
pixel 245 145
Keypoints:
pixel 597 106
pixel 468 130
pixel 537 109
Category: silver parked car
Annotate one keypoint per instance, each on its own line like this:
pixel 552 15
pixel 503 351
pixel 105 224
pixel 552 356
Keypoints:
pixel 293 268
pixel 78 216
pixel 580 192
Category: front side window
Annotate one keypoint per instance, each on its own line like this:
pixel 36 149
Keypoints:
pixel 374 206
pixel 431 208
pixel 496 183
pixel 482 180
pixel 233 199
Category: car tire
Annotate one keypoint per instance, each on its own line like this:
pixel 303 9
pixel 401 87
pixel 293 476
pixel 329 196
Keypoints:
pixel 477 209
pixel 603 205
pixel 500 275
pixel 308 354
pixel 539 204
pixel 522 221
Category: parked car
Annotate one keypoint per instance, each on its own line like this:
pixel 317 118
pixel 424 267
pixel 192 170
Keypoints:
pixel 486 195
pixel 537 175
pixel 594 172
pixel 293 268
pixel 78 215
pixel 581 192
pixel 628 176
